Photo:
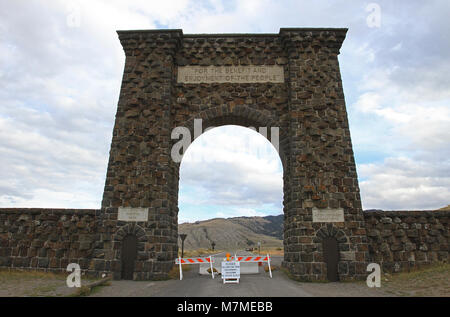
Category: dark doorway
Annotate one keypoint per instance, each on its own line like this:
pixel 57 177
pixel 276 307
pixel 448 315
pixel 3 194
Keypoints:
pixel 129 255
pixel 331 257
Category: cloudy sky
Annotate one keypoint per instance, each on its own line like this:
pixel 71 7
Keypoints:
pixel 60 72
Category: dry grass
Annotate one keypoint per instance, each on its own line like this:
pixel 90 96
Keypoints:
pixel 198 252
pixel 86 290
pixel 11 275
pixel 272 268
pixel 271 251
pixel 433 280
pixel 29 283
pixel 19 283
pixel 174 273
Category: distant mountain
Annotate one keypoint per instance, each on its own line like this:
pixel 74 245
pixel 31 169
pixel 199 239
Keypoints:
pixel 237 233
pixel 234 233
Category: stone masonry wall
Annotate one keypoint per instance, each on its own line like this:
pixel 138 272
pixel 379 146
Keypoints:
pixel 50 239
pixel 308 108
pixel 321 169
pixel 400 240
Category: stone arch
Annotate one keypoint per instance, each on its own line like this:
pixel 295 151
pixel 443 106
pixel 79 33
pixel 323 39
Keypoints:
pixel 118 237
pixel 330 239
pixel 245 116
pixel 130 228
pixel 330 231
pixel 242 115
pixel 306 102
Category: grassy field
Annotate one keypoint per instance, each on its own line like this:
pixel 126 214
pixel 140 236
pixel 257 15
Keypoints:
pixel 198 252
pixel 206 252
pixel 174 273
pixel 429 281
pixel 278 251
pixel 35 284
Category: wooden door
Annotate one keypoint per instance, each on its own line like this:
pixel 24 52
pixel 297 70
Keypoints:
pixel 129 255
pixel 331 257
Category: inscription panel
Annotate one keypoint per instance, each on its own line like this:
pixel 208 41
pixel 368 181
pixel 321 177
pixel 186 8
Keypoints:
pixel 132 214
pixel 230 74
pixel 328 215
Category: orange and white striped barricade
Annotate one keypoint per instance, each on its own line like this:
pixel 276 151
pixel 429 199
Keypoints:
pixel 181 261
pixel 249 259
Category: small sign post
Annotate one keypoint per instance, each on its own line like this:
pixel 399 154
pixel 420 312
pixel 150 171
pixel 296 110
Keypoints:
pixel 181 270
pixel 211 266
pixel 268 263
pixel 182 237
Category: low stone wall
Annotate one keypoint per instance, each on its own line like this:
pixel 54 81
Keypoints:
pixel 48 239
pixel 400 240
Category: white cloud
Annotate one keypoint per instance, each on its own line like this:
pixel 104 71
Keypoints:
pixel 365 52
pixel 397 47
pixel 416 174
pixel 60 86
pixel 403 183
pixel 240 212
pixel 232 166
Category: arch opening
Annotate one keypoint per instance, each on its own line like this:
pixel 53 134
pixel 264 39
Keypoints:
pixel 230 171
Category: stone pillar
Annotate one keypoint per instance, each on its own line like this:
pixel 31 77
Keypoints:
pixel 322 170
pixel 140 170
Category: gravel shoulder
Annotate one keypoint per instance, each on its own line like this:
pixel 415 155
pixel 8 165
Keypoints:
pixel 431 281
pixel 251 285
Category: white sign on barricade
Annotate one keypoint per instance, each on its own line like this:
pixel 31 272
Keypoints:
pixel 231 271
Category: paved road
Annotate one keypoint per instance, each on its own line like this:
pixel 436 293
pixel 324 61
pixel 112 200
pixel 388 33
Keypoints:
pixel 252 285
